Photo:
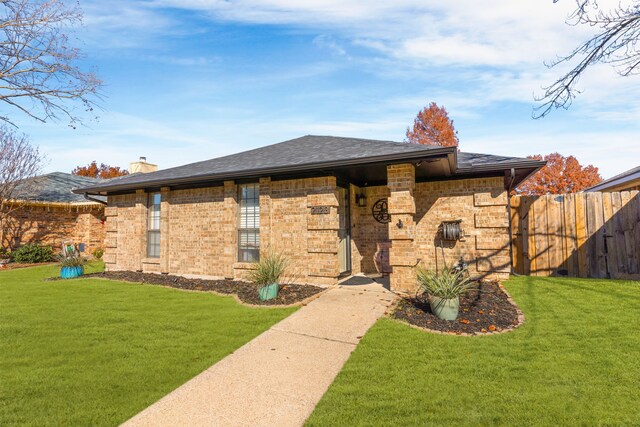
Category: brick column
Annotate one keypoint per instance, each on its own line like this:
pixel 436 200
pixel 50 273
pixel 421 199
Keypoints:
pixel 111 237
pixel 322 231
pixel 165 238
pixel 265 215
pixel 142 205
pixel 230 228
pixel 402 256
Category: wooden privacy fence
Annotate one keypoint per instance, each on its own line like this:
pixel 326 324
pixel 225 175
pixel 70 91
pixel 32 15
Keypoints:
pixel 581 235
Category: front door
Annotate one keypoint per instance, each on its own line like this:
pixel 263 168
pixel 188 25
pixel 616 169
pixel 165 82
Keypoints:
pixel 344 231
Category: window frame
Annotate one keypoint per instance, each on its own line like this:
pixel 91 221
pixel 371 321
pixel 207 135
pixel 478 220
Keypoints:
pixel 249 216
pixel 154 224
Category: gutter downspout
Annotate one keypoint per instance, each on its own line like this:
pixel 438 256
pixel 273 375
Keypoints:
pixel 509 188
pixel 91 199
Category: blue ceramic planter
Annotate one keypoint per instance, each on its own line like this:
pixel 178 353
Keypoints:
pixel 71 272
pixel 268 292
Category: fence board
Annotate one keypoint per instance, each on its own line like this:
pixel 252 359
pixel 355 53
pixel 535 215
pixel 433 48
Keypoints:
pixel 609 233
pixel 570 237
pixel 541 238
pixel 554 232
pixel 630 209
pixel 531 241
pixel 583 234
pixel 595 244
pixel 618 233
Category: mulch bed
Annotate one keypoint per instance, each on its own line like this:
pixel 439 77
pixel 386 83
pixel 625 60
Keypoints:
pixel 485 309
pixel 246 292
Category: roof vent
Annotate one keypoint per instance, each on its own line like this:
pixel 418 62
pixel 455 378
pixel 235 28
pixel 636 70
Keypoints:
pixel 141 166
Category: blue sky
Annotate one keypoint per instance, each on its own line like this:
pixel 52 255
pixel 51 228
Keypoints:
pixel 188 80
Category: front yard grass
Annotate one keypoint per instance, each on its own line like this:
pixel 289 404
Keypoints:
pixel 575 361
pixel 96 352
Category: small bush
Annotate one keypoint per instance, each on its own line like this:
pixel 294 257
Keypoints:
pixel 4 253
pixel 33 253
pixel 98 252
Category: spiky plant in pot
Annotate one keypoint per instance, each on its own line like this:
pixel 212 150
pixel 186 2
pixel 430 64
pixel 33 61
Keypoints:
pixel 444 289
pixel 266 274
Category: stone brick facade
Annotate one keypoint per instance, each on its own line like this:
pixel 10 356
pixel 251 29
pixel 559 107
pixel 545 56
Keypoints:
pixel 299 218
pixel 51 224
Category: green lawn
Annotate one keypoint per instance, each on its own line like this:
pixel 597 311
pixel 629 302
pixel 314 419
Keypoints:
pixel 95 352
pixel 576 361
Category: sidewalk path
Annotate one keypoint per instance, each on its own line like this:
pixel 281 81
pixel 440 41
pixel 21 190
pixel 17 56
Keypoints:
pixel 277 378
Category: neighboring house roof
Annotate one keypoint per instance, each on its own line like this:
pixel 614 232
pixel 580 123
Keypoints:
pixel 55 187
pixel 626 180
pixel 316 153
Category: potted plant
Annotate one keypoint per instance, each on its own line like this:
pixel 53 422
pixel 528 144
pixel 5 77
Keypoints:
pixel 443 290
pixel 71 263
pixel 267 272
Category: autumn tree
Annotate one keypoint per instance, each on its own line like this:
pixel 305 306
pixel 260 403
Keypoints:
pixel 38 72
pixel 432 126
pixel 616 42
pixel 19 161
pixel 103 171
pixel 560 175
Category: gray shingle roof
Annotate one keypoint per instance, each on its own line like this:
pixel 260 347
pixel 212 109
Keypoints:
pixel 475 162
pixel 54 187
pixel 619 179
pixel 304 153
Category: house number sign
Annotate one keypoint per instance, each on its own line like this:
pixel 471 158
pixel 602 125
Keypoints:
pixel 319 210
pixel 380 211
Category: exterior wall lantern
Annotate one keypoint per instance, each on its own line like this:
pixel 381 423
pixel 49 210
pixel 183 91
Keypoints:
pixel 361 200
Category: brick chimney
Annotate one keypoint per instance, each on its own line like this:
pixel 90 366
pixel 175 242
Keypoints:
pixel 141 166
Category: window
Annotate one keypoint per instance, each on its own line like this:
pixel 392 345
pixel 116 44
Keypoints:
pixel 153 227
pixel 249 224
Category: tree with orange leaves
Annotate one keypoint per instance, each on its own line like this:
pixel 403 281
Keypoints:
pixel 560 175
pixel 432 126
pixel 103 171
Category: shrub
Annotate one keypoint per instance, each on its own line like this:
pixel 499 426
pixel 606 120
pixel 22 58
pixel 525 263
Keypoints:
pixel 4 253
pixel 447 284
pixel 269 269
pixel 33 253
pixel 97 253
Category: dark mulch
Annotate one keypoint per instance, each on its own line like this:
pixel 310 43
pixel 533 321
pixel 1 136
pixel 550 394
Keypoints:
pixel 484 309
pixel 247 292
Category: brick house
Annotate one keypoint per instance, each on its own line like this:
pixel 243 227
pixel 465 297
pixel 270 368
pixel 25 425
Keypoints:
pixel 47 212
pixel 332 205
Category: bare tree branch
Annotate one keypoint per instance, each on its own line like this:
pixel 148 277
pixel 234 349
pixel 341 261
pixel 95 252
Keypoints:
pixel 38 75
pixel 19 161
pixel 617 43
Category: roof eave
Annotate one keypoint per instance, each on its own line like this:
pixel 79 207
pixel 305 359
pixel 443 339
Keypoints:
pixel 434 152
pixel 614 183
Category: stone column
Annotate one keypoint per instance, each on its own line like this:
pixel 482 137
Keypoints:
pixel 402 256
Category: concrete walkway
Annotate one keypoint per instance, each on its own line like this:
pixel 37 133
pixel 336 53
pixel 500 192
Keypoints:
pixel 278 378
